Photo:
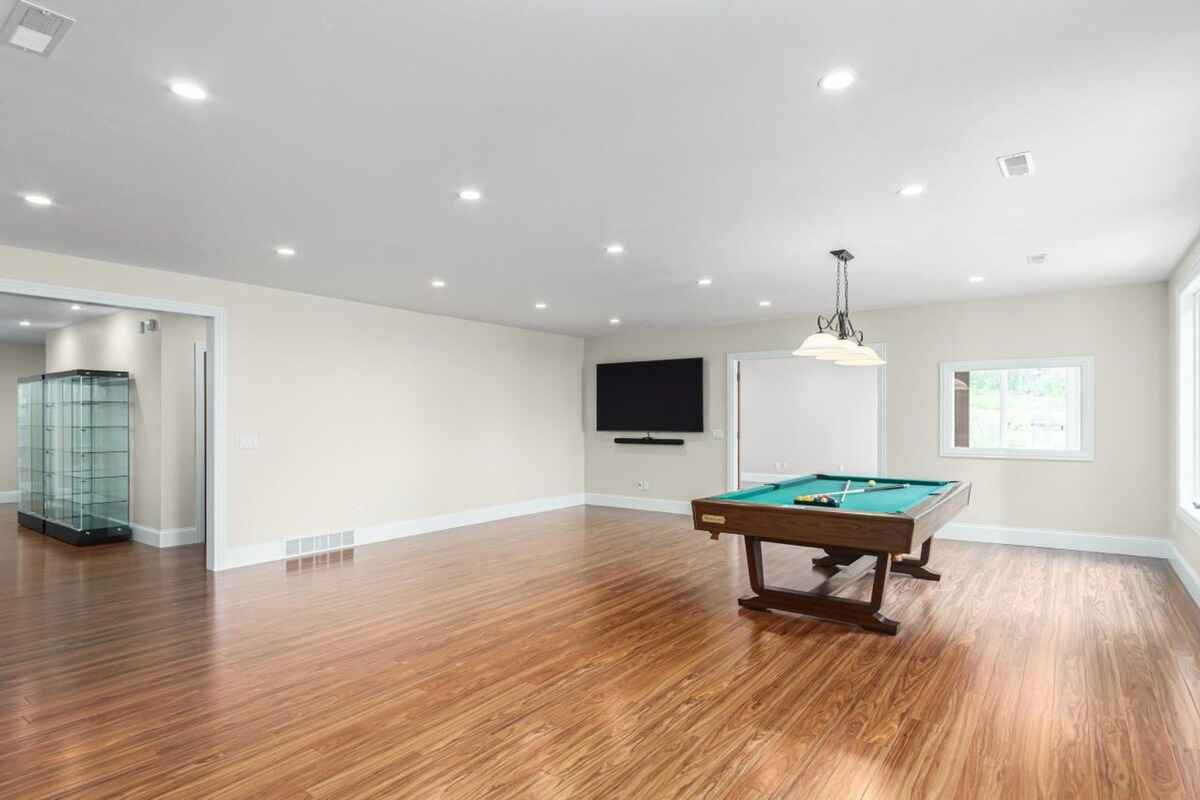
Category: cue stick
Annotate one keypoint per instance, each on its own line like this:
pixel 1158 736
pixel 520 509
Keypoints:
pixel 863 491
pixel 845 491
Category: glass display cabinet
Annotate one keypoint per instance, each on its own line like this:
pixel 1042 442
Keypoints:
pixel 73 455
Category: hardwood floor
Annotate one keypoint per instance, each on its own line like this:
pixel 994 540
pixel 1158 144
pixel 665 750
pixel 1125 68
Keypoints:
pixel 585 653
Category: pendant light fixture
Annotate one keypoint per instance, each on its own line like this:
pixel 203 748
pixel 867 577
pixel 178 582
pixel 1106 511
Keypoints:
pixel 837 339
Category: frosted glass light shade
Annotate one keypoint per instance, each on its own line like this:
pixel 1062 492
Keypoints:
pixel 820 344
pixel 861 356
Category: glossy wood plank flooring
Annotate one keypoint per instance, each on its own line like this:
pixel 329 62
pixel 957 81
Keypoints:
pixel 585 653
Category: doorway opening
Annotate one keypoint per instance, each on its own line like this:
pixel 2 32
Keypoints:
pixel 791 416
pixel 175 478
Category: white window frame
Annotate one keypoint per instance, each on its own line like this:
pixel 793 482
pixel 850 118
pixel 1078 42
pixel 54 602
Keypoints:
pixel 1087 411
pixel 1188 400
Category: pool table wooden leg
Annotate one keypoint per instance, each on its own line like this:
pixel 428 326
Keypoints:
pixel 823 605
pixel 915 567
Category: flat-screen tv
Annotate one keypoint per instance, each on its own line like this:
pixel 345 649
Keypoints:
pixel 651 396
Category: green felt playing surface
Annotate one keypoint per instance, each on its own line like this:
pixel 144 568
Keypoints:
pixel 893 501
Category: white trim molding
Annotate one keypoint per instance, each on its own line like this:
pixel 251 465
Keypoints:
pixel 1126 545
pixel 274 550
pixel 1129 545
pixel 640 503
pixel 12 496
pixel 165 537
pixel 1187 575
pixel 1087 409
pixel 768 477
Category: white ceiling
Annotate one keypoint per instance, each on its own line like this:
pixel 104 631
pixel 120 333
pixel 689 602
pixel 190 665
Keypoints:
pixel 42 315
pixel 691 132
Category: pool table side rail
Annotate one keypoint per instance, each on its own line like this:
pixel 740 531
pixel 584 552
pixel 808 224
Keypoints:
pixel 864 530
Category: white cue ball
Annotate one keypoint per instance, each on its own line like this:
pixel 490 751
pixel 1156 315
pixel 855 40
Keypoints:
pixel 870 483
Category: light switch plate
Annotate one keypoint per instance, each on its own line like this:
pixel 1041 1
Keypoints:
pixel 248 441
pixel 718 433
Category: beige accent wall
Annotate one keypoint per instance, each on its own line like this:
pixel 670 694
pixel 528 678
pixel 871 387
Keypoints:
pixel 16 361
pixel 367 415
pixel 1123 491
pixel 179 334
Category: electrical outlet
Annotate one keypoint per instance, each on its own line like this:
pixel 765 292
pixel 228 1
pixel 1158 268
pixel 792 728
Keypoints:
pixel 643 485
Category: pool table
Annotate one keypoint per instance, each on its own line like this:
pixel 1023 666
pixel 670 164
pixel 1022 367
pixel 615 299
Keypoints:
pixel 870 530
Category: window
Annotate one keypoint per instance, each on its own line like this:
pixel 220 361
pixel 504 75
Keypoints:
pixel 1187 312
pixel 1028 408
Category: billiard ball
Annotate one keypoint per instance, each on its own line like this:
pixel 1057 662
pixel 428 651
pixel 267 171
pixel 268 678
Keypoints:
pixel 870 483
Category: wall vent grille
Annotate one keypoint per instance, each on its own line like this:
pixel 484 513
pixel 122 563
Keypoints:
pixel 1017 165
pixel 324 543
pixel 35 29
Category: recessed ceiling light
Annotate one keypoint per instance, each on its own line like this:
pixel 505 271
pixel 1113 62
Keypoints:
pixel 837 80
pixel 764 303
pixel 704 282
pixel 614 321
pixel 285 251
pixel 470 194
pixel 1036 258
pixel 540 306
pixel 437 283
pixel 615 249
pixel 912 189
pixel 76 307
pixel 976 279
pixel 189 90
pixel 24 323
pixel 38 200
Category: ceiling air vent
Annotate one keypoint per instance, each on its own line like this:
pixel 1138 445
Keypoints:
pixel 1016 165
pixel 1036 258
pixel 35 29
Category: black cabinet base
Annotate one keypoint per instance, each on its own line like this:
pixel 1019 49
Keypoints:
pixel 646 440
pixel 64 533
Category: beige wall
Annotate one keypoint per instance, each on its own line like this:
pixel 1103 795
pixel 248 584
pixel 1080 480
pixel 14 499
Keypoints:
pixel 367 415
pixel 1124 491
pixel 179 334
pixel 16 361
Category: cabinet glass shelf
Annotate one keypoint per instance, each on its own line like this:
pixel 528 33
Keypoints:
pixel 73 455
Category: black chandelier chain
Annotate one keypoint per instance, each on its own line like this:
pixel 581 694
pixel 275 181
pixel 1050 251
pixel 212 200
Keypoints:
pixel 839 324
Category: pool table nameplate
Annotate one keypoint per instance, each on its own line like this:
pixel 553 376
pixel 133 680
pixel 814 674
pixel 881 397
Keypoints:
pixel 883 539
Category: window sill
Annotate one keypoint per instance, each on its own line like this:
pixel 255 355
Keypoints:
pixel 1019 455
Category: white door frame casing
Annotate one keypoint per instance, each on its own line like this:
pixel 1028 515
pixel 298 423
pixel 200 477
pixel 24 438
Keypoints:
pixel 200 455
pixel 217 539
pixel 733 360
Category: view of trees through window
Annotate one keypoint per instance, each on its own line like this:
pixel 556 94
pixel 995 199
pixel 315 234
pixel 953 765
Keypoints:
pixel 1035 408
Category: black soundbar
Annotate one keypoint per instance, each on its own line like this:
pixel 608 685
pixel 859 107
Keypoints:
pixel 646 440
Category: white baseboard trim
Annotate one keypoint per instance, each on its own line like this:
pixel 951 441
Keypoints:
pixel 165 537
pixel 263 552
pixel 10 497
pixel 1144 546
pixel 640 503
pixel 767 477
pixel 1187 575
